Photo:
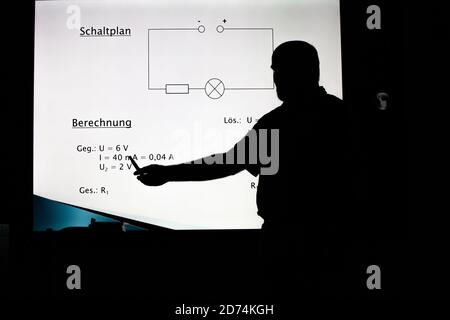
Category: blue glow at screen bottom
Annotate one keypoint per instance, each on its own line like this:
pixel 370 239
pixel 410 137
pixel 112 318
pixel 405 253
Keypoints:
pixel 49 214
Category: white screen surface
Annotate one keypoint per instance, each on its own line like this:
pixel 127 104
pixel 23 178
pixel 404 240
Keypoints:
pixel 187 78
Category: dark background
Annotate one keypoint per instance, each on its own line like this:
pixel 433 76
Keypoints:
pixel 396 226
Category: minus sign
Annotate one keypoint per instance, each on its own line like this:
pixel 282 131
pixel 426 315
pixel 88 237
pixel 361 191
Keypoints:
pixel 110 148
pixel 143 157
pixel 113 167
pixel 107 158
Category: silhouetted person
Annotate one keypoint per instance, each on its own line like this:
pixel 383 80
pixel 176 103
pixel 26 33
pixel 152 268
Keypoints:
pixel 304 203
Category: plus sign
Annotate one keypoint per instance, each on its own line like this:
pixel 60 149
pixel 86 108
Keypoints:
pixel 224 20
